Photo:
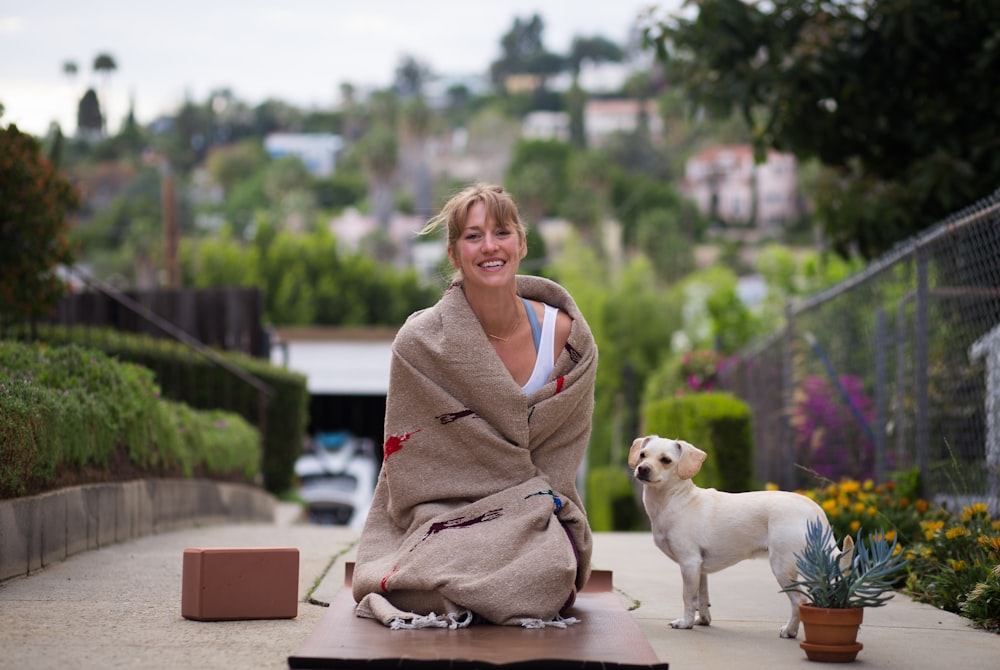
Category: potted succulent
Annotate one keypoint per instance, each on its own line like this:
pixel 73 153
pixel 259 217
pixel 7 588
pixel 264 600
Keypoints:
pixel 838 584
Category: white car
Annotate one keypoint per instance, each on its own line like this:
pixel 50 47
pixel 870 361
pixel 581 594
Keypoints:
pixel 337 478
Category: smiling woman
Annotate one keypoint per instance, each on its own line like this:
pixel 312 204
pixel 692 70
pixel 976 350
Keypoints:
pixel 476 516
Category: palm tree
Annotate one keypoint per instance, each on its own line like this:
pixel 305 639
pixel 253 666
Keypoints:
pixel 104 64
pixel 70 69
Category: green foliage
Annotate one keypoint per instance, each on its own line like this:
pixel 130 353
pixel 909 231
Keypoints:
pixel 611 500
pixel 862 577
pixel 35 203
pixel 893 508
pixel 718 423
pixel 306 278
pixel 630 318
pixel 538 176
pixel 952 558
pixel 67 408
pixel 839 81
pixel 193 379
pixel 954 565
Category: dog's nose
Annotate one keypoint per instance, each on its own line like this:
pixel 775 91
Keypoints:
pixel 642 472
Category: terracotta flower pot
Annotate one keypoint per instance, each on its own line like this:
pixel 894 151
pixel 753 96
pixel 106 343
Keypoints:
pixel 831 634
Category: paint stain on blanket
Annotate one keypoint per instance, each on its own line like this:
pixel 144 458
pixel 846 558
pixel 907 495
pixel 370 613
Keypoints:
pixel 459 522
pixel 451 417
pixel 395 443
pixel 385 587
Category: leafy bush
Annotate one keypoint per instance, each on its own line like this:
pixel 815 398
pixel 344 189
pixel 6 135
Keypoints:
pixel 67 409
pixel 953 559
pixel 718 423
pixel 956 565
pixel 186 376
pixel 893 507
pixel 828 435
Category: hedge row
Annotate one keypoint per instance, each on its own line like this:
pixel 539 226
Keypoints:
pixel 66 409
pixel 185 375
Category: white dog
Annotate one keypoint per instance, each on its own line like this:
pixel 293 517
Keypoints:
pixel 705 530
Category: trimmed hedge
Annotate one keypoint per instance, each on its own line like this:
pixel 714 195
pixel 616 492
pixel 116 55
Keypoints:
pixel 66 408
pixel 718 423
pixel 187 376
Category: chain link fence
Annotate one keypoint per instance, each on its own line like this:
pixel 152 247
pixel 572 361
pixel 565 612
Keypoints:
pixel 896 368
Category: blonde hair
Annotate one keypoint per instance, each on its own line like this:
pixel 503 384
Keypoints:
pixel 500 207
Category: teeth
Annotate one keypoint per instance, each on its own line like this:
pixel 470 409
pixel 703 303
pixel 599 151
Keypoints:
pixel 492 264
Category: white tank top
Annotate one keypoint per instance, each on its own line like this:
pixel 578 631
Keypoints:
pixel 544 360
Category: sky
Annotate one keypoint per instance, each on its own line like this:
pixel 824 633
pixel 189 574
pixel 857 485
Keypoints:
pixel 297 51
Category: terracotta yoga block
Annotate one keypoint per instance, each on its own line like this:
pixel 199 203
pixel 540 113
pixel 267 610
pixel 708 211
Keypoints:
pixel 226 584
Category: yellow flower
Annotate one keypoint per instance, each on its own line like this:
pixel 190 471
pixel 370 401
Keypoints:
pixel 890 535
pixel 957 531
pixel 872 511
pixel 931 528
pixel 976 509
pixel 850 486
pixel 770 486
pixel 855 525
pixel 858 507
pixel 869 485
pixel 956 565
pixel 989 543
pixel 829 505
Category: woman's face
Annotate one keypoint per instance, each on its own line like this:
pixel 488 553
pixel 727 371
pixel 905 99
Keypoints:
pixel 486 252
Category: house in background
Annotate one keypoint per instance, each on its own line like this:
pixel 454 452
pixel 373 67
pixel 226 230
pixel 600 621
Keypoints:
pixel 317 151
pixel 728 186
pixel 602 118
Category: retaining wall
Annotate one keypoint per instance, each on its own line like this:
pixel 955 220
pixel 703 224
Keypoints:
pixel 37 531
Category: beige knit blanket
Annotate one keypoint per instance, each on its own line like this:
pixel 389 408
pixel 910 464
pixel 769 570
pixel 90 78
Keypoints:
pixel 476 512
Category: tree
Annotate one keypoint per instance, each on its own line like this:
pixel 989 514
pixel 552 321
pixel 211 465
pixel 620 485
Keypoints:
pixel 89 119
pixel 35 203
pixel 410 78
pixel 523 52
pixel 104 64
pixel 595 50
pixel 886 93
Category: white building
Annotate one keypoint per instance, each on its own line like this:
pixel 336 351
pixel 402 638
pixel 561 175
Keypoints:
pixel 726 183
pixel 602 118
pixel 317 151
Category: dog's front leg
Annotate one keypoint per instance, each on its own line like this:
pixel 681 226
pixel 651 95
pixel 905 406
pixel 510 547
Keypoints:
pixel 704 616
pixel 691 576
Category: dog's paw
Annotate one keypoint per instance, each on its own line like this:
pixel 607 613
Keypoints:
pixel 788 632
pixel 682 623
pixel 703 619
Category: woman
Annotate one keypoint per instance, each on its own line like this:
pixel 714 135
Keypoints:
pixel 476 513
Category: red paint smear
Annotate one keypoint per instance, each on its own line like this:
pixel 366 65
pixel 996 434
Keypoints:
pixel 386 578
pixel 395 443
pixel 559 384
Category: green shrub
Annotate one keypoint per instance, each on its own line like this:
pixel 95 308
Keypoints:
pixel 611 500
pixel 66 408
pixel 187 376
pixel 718 423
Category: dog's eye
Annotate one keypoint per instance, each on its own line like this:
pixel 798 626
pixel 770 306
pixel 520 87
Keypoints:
pixel 665 460
pixel 642 454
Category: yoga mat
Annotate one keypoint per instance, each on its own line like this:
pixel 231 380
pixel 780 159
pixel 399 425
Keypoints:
pixel 606 637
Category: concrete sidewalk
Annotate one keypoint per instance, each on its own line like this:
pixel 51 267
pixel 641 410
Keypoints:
pixel 119 607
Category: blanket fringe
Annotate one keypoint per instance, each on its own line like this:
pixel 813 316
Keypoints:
pixel 558 622
pixel 432 620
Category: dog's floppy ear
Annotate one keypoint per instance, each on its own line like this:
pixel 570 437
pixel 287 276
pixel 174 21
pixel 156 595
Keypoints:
pixel 691 459
pixel 633 452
